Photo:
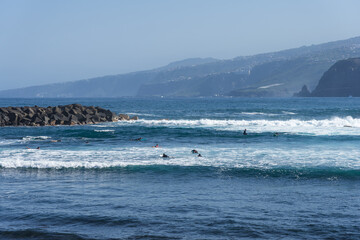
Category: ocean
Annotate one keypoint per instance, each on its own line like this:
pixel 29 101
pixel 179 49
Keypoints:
pixel 295 175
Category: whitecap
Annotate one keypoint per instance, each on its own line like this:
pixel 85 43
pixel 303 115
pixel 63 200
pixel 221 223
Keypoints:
pixel 105 130
pixel 333 126
pixel 141 114
pixel 35 138
pixel 260 113
pixel 288 113
pixel 220 156
pixel 8 142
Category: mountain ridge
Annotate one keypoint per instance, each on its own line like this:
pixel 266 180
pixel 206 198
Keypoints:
pixel 285 71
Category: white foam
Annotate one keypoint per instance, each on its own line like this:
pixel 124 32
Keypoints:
pixel 105 130
pixel 260 113
pixel 35 138
pixel 222 156
pixel 141 114
pixel 8 142
pixel 333 126
pixel 268 114
pixel 288 113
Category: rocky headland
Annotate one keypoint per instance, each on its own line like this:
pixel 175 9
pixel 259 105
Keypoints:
pixel 73 114
pixel 341 80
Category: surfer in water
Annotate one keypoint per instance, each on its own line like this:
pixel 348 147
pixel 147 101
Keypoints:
pixel 36 148
pixel 194 151
pixel 137 139
pixel 199 155
pixel 245 133
pixel 164 155
pixel 156 146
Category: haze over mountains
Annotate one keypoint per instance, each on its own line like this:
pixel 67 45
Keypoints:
pixel 276 74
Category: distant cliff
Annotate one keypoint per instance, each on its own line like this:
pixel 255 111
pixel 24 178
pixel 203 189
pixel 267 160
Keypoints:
pixel 341 80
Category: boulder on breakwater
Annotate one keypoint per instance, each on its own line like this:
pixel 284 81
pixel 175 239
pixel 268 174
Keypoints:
pixel 73 114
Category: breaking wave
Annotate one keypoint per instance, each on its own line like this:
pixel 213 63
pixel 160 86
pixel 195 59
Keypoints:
pixel 229 157
pixel 105 130
pixel 333 126
pixel 35 138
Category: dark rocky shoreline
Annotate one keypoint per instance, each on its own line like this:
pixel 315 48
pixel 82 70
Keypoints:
pixel 72 114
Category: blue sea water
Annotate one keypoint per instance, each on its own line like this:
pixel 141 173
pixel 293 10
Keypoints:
pixel 303 183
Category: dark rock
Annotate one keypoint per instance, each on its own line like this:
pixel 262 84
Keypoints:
pixel 25 121
pixel 96 118
pixel 46 120
pixel 123 117
pixel 81 117
pixel 101 115
pixel 13 117
pixel 73 114
pixel 36 119
pixel 114 117
pixel 303 93
pixel 73 111
pixel 89 111
pixel 59 116
pixel 60 122
pixel 6 118
pixel 74 119
pixel 4 110
pixel 56 110
pixel 29 111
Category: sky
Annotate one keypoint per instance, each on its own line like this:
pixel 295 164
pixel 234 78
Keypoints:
pixel 45 41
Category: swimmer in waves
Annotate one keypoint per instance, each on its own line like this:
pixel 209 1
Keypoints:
pixel 137 139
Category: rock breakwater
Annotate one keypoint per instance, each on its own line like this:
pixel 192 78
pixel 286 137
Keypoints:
pixel 73 114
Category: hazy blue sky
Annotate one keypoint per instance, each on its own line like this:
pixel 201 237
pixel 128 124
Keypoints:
pixel 44 41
